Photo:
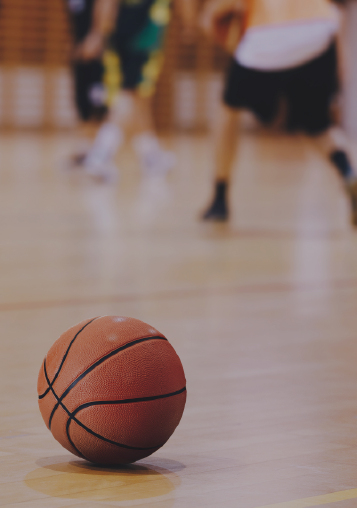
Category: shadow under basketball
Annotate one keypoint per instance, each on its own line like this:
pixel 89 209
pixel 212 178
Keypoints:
pixel 81 480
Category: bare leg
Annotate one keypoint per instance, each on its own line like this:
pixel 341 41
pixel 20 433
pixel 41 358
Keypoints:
pixel 123 110
pixel 130 115
pixel 100 159
pixel 333 143
pixel 225 146
pixel 226 142
pixel 143 117
pixel 154 159
pixel 332 140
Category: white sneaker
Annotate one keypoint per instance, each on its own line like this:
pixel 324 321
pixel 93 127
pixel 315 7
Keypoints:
pixel 101 168
pixel 99 162
pixel 158 162
pixel 153 158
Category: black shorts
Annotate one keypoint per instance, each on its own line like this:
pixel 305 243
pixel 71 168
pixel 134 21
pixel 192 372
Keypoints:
pixel 90 93
pixel 308 90
pixel 81 15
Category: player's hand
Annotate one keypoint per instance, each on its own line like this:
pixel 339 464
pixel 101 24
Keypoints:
pixel 216 9
pixel 188 33
pixel 206 21
pixel 91 48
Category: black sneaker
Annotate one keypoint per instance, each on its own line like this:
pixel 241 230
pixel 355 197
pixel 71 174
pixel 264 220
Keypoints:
pixel 218 212
pixel 342 163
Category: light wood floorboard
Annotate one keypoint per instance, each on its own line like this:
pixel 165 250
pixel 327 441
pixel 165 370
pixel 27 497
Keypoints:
pixel 261 311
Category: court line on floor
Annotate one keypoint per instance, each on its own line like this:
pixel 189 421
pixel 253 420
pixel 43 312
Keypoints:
pixel 289 234
pixel 183 293
pixel 308 502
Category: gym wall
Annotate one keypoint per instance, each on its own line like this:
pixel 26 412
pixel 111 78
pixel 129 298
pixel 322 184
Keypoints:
pixel 35 79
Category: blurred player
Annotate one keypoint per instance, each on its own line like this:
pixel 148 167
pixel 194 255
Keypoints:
pixel 88 69
pixel 289 49
pixel 134 63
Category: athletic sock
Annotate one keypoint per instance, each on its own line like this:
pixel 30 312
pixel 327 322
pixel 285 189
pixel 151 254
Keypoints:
pixel 221 191
pixel 106 143
pixel 218 209
pixel 343 164
pixel 153 158
pixel 145 143
pixel 100 160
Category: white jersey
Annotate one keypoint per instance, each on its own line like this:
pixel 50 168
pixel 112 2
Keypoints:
pixel 283 34
pixel 274 48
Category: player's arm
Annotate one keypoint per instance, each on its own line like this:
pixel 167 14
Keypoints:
pixel 104 16
pixel 216 9
pixel 187 11
pixel 103 22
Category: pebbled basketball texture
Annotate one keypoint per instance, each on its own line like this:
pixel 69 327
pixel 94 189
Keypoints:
pixel 112 390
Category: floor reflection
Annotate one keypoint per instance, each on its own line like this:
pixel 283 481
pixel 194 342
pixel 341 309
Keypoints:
pixel 81 480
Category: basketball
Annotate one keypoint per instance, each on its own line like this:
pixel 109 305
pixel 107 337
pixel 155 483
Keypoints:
pixel 112 390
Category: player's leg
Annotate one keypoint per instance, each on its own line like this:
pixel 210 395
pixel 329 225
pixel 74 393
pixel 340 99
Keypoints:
pixel 245 88
pixel 130 116
pixel 334 144
pixel 100 159
pixel 83 134
pixel 141 57
pixel 153 157
pixel 132 110
pixel 225 148
pixel 311 103
pixel 225 143
pixel 90 104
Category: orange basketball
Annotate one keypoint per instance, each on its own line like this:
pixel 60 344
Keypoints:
pixel 112 390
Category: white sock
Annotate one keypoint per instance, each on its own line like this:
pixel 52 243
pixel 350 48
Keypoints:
pixel 106 143
pixel 154 159
pixel 146 144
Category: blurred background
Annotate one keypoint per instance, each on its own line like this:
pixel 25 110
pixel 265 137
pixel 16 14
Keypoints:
pixel 36 83
pixel 261 310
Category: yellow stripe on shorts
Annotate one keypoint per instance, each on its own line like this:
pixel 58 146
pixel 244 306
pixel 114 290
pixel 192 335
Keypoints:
pixel 150 74
pixel 112 75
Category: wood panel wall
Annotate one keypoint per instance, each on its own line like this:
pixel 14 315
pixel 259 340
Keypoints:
pixel 35 40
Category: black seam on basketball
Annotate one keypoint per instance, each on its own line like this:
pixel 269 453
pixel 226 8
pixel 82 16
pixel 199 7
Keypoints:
pixel 127 401
pixel 64 359
pixel 143 399
pixel 70 440
pixel 71 417
pixel 53 410
pixel 92 367
pixel 58 401
pixel 121 445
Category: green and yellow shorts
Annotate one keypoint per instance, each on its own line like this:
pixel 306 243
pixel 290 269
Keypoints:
pixel 135 57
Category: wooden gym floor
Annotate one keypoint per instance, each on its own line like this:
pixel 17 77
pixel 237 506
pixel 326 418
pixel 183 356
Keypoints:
pixel 262 313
